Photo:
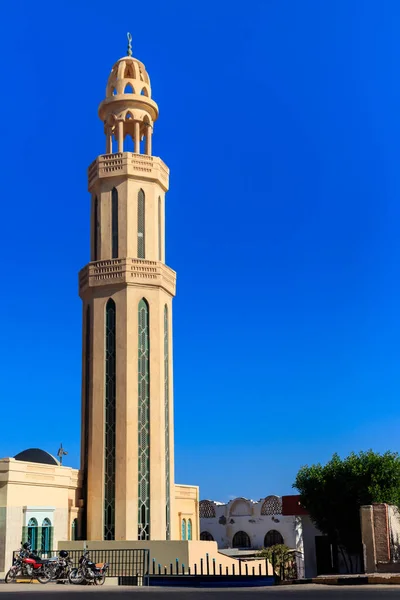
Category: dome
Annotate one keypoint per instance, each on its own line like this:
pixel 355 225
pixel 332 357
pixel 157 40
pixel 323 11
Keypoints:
pixel 36 455
pixel 128 76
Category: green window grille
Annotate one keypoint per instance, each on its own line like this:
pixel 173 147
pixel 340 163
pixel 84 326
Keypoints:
pixel 110 402
pixel 46 536
pixel 32 533
pixel 159 229
pixel 86 416
pixel 189 529
pixel 95 229
pixel 114 223
pixel 183 531
pixel 143 421
pixel 141 225
pixel 166 418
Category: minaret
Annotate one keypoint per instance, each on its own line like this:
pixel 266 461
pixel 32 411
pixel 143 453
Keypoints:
pixel 127 289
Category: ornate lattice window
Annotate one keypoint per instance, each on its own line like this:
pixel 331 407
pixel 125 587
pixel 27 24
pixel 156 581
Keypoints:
pixel 241 540
pixel 207 509
pixel 272 505
pixel 272 538
pixel 141 225
pixel 205 536
pixel 183 529
pixel 144 421
pixel 189 529
pixel 95 229
pixel 46 541
pixel 159 230
pixel 166 417
pixel 114 223
pixel 110 409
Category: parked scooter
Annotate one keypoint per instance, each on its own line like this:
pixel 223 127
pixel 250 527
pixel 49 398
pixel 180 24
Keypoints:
pixel 88 572
pixel 28 564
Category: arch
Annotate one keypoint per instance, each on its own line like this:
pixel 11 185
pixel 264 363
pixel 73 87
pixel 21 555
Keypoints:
pixel 166 418
pixel 32 532
pixel 272 505
pixel 114 223
pixel 130 71
pixel 110 419
pixel 272 538
pixel 207 509
pixel 114 91
pixel 74 530
pixel 183 529
pixel 141 225
pixel 96 227
pixel 144 92
pixel 129 89
pixel 46 544
pixel 144 419
pixel 128 115
pixel 189 529
pixel 206 536
pixel 159 229
pixel 241 508
pixel 241 540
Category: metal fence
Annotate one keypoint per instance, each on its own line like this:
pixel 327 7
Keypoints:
pixel 123 563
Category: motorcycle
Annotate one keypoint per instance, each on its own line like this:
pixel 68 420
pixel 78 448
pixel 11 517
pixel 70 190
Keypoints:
pixel 88 572
pixel 61 567
pixel 28 564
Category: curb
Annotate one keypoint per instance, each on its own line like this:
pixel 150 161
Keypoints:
pixel 363 580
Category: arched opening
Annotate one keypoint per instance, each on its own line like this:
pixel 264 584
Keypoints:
pixel 129 71
pixel 128 143
pixel 74 530
pixel 129 89
pixel 114 91
pixel 144 420
pixel 272 538
pixel 141 225
pixel 189 529
pixel 183 529
pixel 32 533
pixel 205 536
pixel 144 92
pixel 46 541
pixel 110 420
pixel 241 540
pixel 114 223
pixel 128 115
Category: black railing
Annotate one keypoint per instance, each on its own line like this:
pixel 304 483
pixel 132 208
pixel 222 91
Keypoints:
pixel 123 563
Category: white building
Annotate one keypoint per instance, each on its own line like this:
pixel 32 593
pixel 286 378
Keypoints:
pixel 242 526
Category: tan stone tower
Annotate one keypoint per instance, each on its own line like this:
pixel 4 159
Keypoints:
pixel 127 422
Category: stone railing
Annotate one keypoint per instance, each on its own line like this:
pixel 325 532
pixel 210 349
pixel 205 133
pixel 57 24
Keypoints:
pixel 127 270
pixel 129 163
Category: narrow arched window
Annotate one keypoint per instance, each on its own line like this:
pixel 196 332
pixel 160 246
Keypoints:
pixel 166 418
pixel 32 533
pixel 159 230
pixel 74 530
pixel 114 223
pixel 141 225
pixel 95 229
pixel 109 425
pixel 183 532
pixel 241 540
pixel 189 529
pixel 46 541
pixel 143 420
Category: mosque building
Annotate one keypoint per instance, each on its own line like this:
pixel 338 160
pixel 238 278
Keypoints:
pixel 125 489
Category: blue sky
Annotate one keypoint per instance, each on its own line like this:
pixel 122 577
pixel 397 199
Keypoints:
pixel 279 120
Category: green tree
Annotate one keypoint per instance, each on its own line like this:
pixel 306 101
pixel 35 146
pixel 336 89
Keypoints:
pixel 333 493
pixel 282 559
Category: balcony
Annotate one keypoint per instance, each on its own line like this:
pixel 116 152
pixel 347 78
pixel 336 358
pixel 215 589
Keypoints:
pixel 140 166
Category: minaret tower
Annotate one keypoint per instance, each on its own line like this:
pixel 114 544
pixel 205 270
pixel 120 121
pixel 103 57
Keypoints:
pixel 127 289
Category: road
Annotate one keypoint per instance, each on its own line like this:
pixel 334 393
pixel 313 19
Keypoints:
pixel 299 592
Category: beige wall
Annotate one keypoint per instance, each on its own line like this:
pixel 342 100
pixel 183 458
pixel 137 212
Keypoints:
pixel 186 507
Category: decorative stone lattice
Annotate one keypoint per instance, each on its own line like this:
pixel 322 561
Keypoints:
pixel 207 509
pixel 144 422
pixel 272 506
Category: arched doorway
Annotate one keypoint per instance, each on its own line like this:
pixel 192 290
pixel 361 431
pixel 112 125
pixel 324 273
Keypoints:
pixel 241 540
pixel 272 538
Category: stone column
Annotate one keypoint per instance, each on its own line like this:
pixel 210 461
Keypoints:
pixel 148 139
pixel 120 136
pixel 137 137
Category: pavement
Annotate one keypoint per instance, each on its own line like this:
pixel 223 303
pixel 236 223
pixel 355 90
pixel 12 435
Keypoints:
pixel 304 592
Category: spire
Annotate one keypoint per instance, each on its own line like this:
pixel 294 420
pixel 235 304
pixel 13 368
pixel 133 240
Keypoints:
pixel 61 452
pixel 128 35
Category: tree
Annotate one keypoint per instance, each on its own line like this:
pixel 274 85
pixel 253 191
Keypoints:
pixel 334 493
pixel 282 559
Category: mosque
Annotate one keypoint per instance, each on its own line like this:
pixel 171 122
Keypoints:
pixel 125 489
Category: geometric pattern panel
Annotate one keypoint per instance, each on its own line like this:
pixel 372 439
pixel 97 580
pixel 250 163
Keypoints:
pixel 166 418
pixel 140 225
pixel 110 422
pixel 114 223
pixel 272 506
pixel 207 509
pixel 144 422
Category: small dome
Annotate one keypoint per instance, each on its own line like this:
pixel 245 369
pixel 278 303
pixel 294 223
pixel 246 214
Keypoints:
pixel 128 76
pixel 36 455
